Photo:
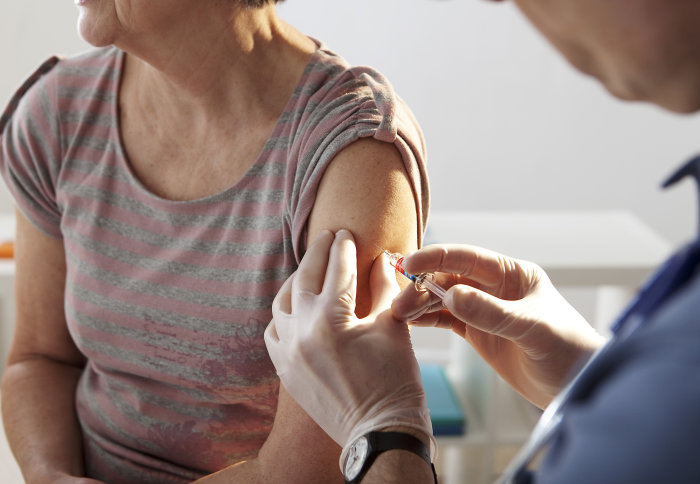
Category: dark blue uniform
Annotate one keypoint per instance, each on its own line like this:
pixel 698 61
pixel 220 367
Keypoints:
pixel 634 414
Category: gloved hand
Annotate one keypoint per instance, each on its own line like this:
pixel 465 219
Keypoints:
pixel 507 309
pixel 350 375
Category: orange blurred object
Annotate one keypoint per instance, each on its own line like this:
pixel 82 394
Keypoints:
pixel 7 250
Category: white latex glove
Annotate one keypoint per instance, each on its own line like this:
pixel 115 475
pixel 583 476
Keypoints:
pixel 350 375
pixel 507 309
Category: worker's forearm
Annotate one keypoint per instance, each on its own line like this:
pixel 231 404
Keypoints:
pixel 400 466
pixel 391 467
pixel 38 410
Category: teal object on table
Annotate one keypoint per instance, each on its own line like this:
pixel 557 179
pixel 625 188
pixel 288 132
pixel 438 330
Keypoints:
pixel 446 412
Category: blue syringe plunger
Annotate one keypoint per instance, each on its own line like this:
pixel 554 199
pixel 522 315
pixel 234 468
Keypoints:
pixel 422 282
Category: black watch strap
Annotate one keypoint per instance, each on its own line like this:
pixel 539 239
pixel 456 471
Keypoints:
pixel 382 441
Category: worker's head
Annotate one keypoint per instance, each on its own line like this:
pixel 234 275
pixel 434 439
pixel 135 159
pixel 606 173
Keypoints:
pixel 639 49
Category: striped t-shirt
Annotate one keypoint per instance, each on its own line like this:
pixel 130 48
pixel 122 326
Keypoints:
pixel 168 300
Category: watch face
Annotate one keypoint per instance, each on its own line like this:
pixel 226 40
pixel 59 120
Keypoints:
pixel 356 458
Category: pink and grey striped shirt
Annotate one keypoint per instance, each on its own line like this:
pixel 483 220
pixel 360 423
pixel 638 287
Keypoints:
pixel 169 300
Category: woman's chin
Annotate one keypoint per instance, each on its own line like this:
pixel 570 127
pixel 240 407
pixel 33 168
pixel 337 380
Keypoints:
pixel 92 34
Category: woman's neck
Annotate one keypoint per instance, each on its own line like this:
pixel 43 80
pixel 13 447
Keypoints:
pixel 202 67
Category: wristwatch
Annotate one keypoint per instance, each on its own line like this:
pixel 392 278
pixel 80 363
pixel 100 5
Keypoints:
pixel 365 449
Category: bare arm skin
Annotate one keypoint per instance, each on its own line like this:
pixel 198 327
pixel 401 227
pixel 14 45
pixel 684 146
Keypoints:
pixel 366 191
pixel 38 385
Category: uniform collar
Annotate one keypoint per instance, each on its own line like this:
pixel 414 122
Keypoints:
pixel 689 168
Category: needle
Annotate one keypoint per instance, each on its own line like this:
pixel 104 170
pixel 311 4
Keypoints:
pixel 422 282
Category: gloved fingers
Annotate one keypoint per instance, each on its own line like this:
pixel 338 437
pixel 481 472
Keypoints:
pixel 271 333
pixel 341 276
pixel 484 311
pixel 311 273
pixel 287 302
pixel 481 265
pixel 281 309
pixel 277 349
pixel 442 319
pixel 383 284
pixel 272 339
pixel 282 304
pixel 411 303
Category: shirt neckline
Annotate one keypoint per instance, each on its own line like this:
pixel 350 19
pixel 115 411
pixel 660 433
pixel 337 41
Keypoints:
pixel 260 160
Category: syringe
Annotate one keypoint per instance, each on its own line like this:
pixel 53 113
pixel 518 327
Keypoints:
pixel 422 281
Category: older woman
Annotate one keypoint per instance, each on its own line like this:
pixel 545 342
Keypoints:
pixel 167 183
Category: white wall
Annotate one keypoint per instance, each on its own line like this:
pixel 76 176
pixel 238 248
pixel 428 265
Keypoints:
pixel 508 122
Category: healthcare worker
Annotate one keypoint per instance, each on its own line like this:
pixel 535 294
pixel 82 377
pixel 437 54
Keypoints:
pixel 632 413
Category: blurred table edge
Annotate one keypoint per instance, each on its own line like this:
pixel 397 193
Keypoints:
pixel 574 247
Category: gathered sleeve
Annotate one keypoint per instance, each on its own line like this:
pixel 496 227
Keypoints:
pixel 30 150
pixel 360 103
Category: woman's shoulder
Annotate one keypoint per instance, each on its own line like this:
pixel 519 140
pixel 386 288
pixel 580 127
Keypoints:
pixel 80 68
pixel 329 72
pixel 92 67
pixel 98 69
pixel 333 91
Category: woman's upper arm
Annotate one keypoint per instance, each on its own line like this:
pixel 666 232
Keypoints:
pixel 366 190
pixel 40 326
